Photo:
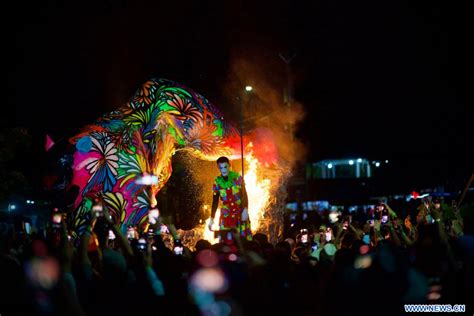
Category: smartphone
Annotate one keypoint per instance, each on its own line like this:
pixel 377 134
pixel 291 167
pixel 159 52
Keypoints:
pixel 178 250
pixel 98 210
pixel 304 235
pixel 141 244
pixel 178 247
pixel 429 219
pixel 164 229
pixel 304 238
pixel 153 216
pixel 328 234
pixel 150 233
pixel 366 239
pixel 345 225
pixel 56 220
pixel 27 228
pixel 130 233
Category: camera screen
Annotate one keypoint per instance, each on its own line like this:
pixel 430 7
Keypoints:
pixel 57 218
pixel 328 236
pixel 178 250
pixel 131 233
pixel 164 229
pixel 153 216
pixel 150 232
pixel 154 213
pixel 304 238
pixel 142 244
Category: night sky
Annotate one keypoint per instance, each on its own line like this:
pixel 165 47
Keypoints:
pixel 378 79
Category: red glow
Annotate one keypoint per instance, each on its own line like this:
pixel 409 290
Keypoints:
pixel 261 142
pixel 207 258
pixel 364 249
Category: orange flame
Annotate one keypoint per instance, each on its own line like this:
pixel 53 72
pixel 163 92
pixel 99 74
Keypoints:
pixel 258 191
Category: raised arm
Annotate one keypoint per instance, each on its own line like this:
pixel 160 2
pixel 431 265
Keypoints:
pixel 122 240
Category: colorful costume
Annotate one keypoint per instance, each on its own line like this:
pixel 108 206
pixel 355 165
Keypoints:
pixel 231 192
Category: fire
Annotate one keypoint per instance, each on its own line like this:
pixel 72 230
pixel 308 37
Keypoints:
pixel 209 235
pixel 258 191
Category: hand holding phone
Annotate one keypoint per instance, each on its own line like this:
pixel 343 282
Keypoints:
pixel 56 220
pixel 304 238
pixel 328 234
pixel 97 210
pixel 142 244
pixel 164 229
pixel 304 235
pixel 345 223
pixel 153 216
pixel 178 247
pixel 131 233
pixel 150 233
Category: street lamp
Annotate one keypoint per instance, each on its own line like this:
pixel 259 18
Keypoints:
pixel 248 89
pixel 11 207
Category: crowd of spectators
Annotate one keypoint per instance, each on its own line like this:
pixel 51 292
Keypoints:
pixel 341 264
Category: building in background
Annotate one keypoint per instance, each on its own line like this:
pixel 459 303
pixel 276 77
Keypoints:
pixel 340 168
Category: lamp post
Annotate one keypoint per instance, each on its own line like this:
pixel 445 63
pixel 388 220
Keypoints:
pixel 248 89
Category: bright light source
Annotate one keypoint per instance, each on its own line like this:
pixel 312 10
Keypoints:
pixel 377 164
pixel 330 165
pixel 351 162
pixel 12 207
pixel 32 202
pixel 386 161
pixel 148 180
pixel 359 160
pixel 248 88
pixel 27 201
